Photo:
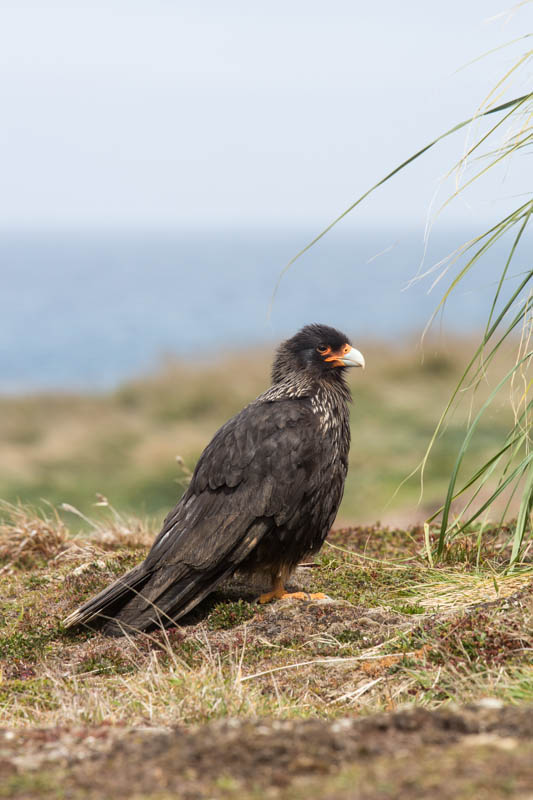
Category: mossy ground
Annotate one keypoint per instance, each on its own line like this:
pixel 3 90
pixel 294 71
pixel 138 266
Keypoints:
pixel 395 634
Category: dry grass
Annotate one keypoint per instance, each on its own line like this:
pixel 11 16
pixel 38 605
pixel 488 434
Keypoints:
pixel 28 536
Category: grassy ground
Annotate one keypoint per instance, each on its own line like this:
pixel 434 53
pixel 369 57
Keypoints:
pixel 395 635
pixel 124 444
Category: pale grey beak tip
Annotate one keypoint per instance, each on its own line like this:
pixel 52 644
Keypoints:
pixel 353 358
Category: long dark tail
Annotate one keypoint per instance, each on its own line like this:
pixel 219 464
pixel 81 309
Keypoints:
pixel 144 599
pixel 109 602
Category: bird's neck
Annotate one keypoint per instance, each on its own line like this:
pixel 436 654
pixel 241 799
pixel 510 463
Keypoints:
pixel 332 385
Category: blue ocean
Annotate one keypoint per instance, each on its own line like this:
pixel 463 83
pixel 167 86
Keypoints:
pixel 85 311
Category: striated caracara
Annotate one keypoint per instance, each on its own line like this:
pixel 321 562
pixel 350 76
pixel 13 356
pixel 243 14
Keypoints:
pixel 263 496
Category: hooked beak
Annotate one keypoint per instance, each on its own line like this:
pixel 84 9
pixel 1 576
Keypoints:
pixel 353 358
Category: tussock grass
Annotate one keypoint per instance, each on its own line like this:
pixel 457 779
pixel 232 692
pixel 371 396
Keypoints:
pixel 451 590
pixel 29 536
pixel 26 535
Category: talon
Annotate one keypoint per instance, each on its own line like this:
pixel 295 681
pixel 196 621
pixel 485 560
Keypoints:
pixel 269 596
pixel 282 595
pixel 295 596
pixel 278 593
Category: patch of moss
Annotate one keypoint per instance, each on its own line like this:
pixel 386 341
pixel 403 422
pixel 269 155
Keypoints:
pixel 350 637
pixel 22 645
pixel 338 578
pixel 228 615
pixel 36 581
pixel 31 784
pixel 409 608
pixel 341 577
pixel 125 561
pixel 109 662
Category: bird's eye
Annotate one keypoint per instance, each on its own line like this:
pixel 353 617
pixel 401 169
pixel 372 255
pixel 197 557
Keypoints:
pixel 322 349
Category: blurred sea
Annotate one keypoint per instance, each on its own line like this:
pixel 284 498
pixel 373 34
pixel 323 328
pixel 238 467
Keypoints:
pixel 88 310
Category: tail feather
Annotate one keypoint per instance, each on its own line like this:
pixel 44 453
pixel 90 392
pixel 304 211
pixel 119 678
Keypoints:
pixel 111 599
pixel 156 594
pixel 144 599
pixel 163 600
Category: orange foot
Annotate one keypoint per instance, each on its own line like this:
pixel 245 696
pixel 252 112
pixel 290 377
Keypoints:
pixel 275 594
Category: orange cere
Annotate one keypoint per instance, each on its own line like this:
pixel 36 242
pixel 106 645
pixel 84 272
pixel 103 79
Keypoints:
pixel 337 355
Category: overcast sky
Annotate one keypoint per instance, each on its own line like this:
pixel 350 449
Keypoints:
pixel 233 112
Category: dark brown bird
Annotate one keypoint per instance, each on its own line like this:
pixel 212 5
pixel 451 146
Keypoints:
pixel 263 496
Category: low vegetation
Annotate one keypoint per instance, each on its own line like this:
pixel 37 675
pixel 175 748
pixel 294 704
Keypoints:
pixel 395 634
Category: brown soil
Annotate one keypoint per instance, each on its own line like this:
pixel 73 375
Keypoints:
pixel 478 751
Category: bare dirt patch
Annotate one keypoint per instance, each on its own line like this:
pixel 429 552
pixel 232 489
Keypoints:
pixel 239 758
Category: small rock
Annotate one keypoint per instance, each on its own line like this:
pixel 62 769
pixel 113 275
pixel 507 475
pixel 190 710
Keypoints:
pixel 489 702
pixel 491 740
pixel 89 565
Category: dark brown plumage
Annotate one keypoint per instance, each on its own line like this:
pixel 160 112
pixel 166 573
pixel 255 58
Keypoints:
pixel 263 495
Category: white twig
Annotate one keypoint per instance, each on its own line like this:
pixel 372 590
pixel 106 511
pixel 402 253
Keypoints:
pixel 358 692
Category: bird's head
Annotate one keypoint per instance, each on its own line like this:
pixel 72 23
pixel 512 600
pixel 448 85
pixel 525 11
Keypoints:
pixel 317 350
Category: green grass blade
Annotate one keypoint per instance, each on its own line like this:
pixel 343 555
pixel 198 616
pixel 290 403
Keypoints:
pixel 514 104
pixel 524 517
pixel 463 449
pixel 513 476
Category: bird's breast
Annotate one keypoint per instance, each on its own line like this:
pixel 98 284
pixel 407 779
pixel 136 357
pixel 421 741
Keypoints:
pixel 324 412
pixel 332 419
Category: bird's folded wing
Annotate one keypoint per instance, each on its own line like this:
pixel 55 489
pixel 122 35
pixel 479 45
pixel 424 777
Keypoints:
pixel 250 478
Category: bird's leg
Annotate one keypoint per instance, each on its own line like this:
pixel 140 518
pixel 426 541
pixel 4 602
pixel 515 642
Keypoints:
pixel 278 593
